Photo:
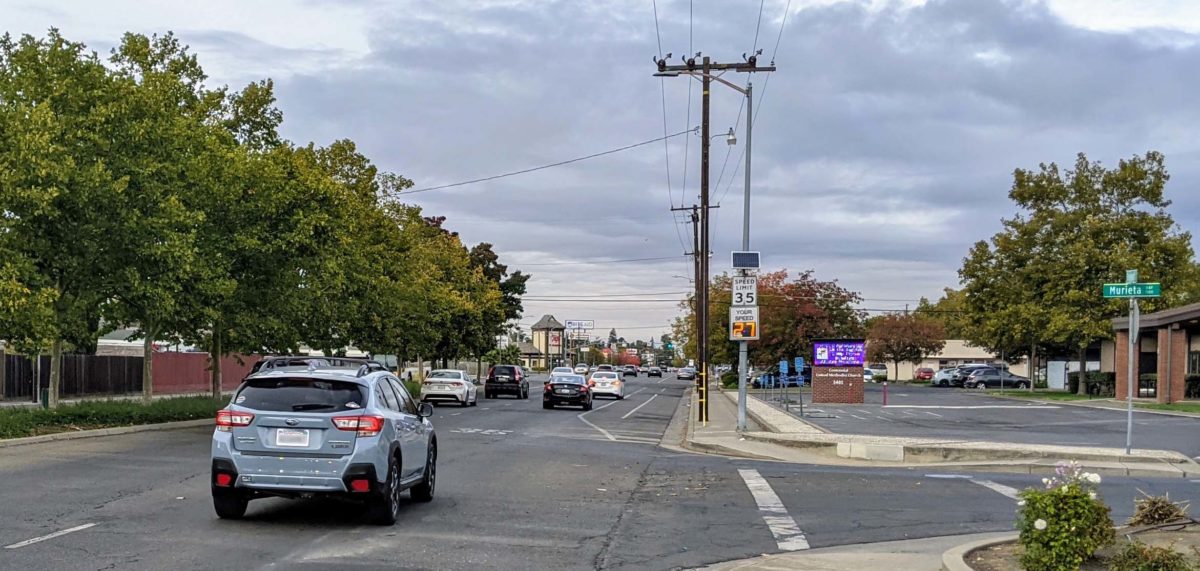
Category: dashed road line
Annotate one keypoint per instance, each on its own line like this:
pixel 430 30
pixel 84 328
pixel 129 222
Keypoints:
pixel 638 407
pixel 787 534
pixel 59 533
pixel 949 476
pixel 932 414
pixel 858 417
pixel 975 406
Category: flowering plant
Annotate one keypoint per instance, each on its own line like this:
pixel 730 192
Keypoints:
pixel 1065 522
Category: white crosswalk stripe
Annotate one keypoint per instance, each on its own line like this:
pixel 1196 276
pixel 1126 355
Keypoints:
pixel 787 534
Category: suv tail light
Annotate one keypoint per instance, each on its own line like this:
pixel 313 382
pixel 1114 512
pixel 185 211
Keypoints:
pixel 228 419
pixel 364 425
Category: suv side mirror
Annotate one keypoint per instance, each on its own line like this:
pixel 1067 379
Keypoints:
pixel 425 410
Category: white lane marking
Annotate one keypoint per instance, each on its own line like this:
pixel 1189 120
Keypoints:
pixel 862 411
pixel 932 413
pixel 787 534
pixel 606 434
pixel 998 488
pixel 455 413
pixel 909 413
pixel 49 536
pixel 949 476
pixel 858 417
pixel 1195 481
pixel 971 407
pixel 638 407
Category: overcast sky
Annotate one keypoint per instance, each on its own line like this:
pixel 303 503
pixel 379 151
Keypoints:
pixel 883 149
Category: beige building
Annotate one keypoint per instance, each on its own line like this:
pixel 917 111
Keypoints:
pixel 956 352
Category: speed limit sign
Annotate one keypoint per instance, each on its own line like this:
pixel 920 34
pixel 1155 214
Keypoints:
pixel 745 291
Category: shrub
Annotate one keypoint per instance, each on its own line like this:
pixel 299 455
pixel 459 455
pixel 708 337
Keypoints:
pixel 729 379
pixel 1155 510
pixel 879 378
pixel 1098 383
pixel 1064 524
pixel 1137 556
pixel 15 423
pixel 414 388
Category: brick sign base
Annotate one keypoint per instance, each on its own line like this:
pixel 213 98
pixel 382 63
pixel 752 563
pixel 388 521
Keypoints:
pixel 837 385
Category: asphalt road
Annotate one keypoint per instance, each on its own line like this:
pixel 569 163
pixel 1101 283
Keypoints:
pixel 930 412
pixel 519 488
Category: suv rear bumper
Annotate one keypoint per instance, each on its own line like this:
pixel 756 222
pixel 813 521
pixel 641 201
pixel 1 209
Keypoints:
pixel 272 473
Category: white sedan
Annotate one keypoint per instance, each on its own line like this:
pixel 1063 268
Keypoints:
pixel 449 385
pixel 607 383
pixel 562 371
pixel 581 369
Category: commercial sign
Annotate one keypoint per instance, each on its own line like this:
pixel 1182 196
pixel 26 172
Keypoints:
pixel 1133 290
pixel 580 324
pixel 631 351
pixel 745 291
pixel 743 323
pixel 848 353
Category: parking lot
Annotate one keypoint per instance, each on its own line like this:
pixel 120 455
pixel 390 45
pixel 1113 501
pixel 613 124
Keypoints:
pixel 959 414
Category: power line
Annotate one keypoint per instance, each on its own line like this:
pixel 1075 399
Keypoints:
pixel 551 165
pixel 666 146
pixel 590 262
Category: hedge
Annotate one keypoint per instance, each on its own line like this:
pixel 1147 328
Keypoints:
pixel 1098 383
pixel 19 422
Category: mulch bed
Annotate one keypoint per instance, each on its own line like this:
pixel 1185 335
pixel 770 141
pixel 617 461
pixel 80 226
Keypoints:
pixel 1007 556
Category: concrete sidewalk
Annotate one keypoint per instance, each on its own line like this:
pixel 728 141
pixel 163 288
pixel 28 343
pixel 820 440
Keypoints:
pixel 776 435
pixel 907 555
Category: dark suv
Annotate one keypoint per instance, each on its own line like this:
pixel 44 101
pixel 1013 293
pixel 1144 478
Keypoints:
pixel 630 370
pixel 510 379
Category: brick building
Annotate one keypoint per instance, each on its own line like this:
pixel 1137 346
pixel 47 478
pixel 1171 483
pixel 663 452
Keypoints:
pixel 1168 354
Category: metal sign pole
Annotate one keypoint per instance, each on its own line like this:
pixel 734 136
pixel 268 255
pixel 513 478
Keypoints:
pixel 1134 317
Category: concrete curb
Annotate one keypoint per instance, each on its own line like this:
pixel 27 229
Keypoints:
pixel 954 559
pixel 113 431
pixel 1092 406
pixel 766 424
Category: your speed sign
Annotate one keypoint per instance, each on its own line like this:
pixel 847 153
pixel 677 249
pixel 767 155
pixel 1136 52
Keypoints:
pixel 745 291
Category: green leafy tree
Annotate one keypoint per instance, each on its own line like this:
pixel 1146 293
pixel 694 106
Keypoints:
pixel 950 311
pixel 907 337
pixel 1038 281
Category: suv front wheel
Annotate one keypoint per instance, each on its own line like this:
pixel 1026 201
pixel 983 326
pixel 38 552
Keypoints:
pixel 423 492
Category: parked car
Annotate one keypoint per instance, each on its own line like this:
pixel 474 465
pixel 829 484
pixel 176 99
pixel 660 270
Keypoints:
pixel 877 369
pixel 450 385
pixel 943 377
pixel 629 370
pixel 506 379
pixel 325 432
pixel 654 372
pixel 923 374
pixel 687 374
pixel 868 376
pixel 963 371
pixel 607 383
pixel 567 390
pixel 994 379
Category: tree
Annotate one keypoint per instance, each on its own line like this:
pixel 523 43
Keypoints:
pixel 906 337
pixel 57 104
pixel 950 311
pixel 612 338
pixel 1038 281
pixel 791 313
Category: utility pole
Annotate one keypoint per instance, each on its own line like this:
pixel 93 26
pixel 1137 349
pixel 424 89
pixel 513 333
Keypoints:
pixel 706 75
pixel 697 304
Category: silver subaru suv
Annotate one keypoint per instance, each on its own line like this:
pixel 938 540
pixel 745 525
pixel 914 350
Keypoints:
pixel 300 432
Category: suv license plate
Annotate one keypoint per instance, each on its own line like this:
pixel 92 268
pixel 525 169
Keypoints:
pixel 289 437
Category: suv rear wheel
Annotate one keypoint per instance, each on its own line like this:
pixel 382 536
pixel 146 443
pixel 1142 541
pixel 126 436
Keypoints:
pixel 229 504
pixel 385 509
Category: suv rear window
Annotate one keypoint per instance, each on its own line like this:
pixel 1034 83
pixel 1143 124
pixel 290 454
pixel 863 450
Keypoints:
pixel 504 370
pixel 299 395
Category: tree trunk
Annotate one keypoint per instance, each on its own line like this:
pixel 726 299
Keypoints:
pixel 420 369
pixel 55 372
pixel 148 366
pixel 3 372
pixel 214 356
pixel 1082 390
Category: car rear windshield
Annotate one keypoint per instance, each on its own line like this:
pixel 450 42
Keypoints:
pixel 569 379
pixel 445 375
pixel 298 395
pixel 504 370
pixel 603 375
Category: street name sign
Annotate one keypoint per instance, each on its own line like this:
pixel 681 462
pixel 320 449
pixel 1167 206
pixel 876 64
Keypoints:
pixel 745 291
pixel 1133 290
pixel 743 323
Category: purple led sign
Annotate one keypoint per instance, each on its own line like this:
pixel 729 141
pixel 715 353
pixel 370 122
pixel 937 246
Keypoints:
pixel 839 353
